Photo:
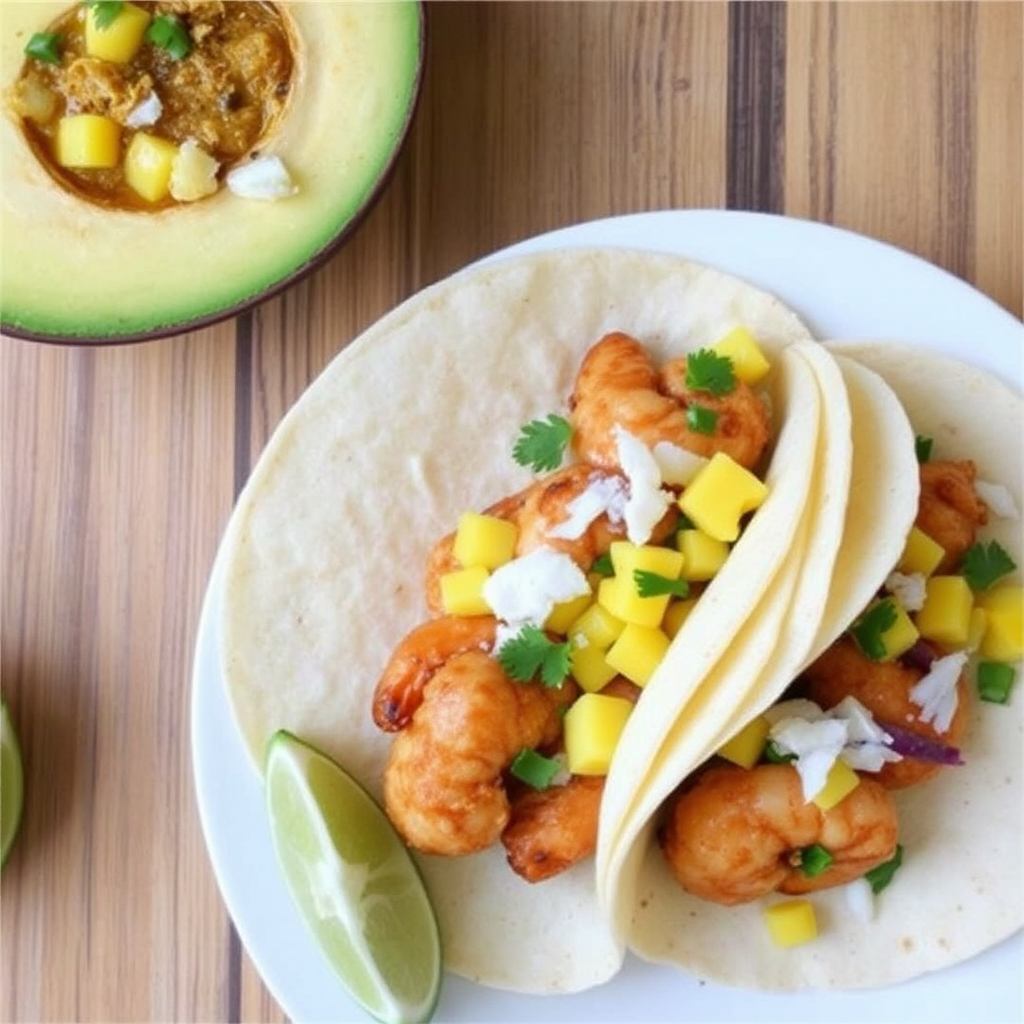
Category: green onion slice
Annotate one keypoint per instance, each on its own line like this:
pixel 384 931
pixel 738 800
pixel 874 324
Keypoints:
pixel 170 34
pixel 814 860
pixel 535 769
pixel 995 681
pixel 44 47
pixel 878 878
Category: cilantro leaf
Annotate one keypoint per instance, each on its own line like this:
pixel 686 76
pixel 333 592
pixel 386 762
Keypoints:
pixel 701 420
pixel 603 565
pixel 706 370
pixel 774 754
pixel 868 629
pixel 878 878
pixel 542 443
pixel 44 47
pixel 530 652
pixel 983 564
pixel 652 584
pixel 535 769
pixel 169 33
pixel 814 860
pixel 105 11
pixel 922 447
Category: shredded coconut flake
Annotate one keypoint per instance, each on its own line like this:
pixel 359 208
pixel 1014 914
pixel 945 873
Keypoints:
pixel 526 589
pixel 936 693
pixel 263 178
pixel 147 112
pixel 647 502
pixel 604 495
pixel 676 465
pixel 908 589
pixel 998 498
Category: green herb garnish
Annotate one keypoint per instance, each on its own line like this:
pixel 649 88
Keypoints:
pixel 534 769
pixel 530 652
pixel 105 12
pixel 814 860
pixel 995 681
pixel 878 878
pixel 542 443
pixel 923 447
pixel 603 565
pixel 869 628
pixel 983 564
pixel 706 370
pixel 701 420
pixel 170 34
pixel 44 47
pixel 653 584
pixel 773 754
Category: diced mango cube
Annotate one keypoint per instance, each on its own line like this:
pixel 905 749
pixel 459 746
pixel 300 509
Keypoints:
pixel 747 746
pixel 921 554
pixel 792 922
pixel 597 626
pixel 565 613
pixel 720 495
pixel 590 668
pixel 900 636
pixel 120 40
pixel 147 165
pixel 88 140
pixel 619 594
pixel 484 540
pixel 462 591
pixel 1004 633
pixel 839 783
pixel 676 614
pixel 945 615
pixel 703 555
pixel 627 557
pixel 976 629
pixel 592 728
pixel 638 652
pixel 749 363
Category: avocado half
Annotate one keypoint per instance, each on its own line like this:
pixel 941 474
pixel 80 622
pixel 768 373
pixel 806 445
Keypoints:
pixel 71 271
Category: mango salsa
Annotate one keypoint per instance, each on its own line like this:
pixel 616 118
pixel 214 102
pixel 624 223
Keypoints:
pixel 593 726
pixel 747 746
pixel 120 40
pixel 638 652
pixel 597 626
pixel 462 591
pixel 88 140
pixel 749 363
pixel 620 595
pixel 703 555
pixel 564 614
pixel 946 614
pixel 676 614
pixel 720 495
pixel 840 782
pixel 590 668
pixel 484 540
pixel 791 923
pixel 921 554
pixel 148 164
pixel 1004 633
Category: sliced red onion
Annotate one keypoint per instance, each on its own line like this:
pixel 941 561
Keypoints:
pixel 920 656
pixel 922 748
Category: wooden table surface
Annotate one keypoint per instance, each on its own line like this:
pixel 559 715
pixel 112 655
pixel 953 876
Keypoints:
pixel 120 465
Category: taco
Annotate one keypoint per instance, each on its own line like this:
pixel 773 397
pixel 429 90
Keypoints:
pixel 938 810
pixel 412 425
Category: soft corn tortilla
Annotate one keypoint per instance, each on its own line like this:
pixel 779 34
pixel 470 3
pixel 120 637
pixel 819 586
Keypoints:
pixel 411 425
pixel 959 890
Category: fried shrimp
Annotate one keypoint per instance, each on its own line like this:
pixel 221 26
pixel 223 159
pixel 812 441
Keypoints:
pixel 618 385
pixel 883 687
pixel 949 508
pixel 538 509
pixel 399 691
pixel 443 784
pixel 736 834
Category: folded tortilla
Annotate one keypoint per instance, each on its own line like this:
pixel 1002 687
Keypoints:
pixel 409 426
pixel 959 890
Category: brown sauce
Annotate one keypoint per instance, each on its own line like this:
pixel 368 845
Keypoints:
pixel 228 93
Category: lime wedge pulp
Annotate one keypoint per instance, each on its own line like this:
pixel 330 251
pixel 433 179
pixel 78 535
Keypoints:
pixel 355 882
pixel 12 784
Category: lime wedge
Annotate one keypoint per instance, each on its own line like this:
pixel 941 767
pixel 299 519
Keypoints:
pixel 355 882
pixel 12 784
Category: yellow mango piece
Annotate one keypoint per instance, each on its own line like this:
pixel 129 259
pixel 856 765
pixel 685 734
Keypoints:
pixel 484 540
pixel 88 140
pixel 676 614
pixel 719 496
pixel 921 554
pixel 747 746
pixel 1004 634
pixel 840 782
pixel 945 615
pixel 147 165
pixel 900 636
pixel 121 39
pixel 563 615
pixel 791 923
pixel 749 363
pixel 627 557
pixel 590 668
pixel 592 728
pixel 703 555
pixel 619 595
pixel 597 626
pixel 462 591
pixel 638 652
pixel 976 630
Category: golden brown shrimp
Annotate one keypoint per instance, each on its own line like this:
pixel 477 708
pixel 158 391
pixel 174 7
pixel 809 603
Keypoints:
pixel 418 656
pixel 949 509
pixel 443 786
pixel 618 385
pixel 536 510
pixel 735 834
pixel 883 687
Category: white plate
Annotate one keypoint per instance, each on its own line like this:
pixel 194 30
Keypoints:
pixel 844 285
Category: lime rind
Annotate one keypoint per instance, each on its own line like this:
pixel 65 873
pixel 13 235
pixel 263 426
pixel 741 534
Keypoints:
pixel 358 888
pixel 12 784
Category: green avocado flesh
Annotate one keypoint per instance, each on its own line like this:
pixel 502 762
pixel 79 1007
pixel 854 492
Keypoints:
pixel 71 270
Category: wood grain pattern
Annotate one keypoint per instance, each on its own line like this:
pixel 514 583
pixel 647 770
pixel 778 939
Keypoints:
pixel 120 466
